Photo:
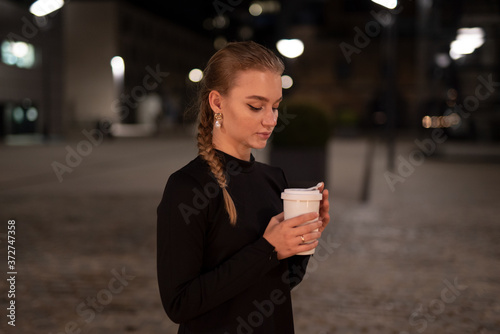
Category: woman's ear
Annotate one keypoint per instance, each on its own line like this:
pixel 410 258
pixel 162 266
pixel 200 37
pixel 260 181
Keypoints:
pixel 215 100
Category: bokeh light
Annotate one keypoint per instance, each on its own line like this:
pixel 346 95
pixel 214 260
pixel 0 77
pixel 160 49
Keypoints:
pixel 195 75
pixel 286 81
pixel 44 7
pixel 18 115
pixel 391 4
pixel 220 42
pixel 117 66
pixel 452 94
pixel 448 121
pixel 442 60
pixel 32 114
pixel 426 122
pixel 20 49
pixel 255 9
pixel 466 42
pixel 290 48
pixel 220 22
pixel 18 54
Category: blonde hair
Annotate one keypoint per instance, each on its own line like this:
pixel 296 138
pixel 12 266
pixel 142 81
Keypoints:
pixel 219 75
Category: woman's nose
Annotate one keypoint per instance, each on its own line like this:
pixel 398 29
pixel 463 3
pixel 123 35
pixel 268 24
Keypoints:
pixel 270 118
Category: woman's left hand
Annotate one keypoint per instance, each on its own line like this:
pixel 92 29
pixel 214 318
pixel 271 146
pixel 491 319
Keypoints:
pixel 324 207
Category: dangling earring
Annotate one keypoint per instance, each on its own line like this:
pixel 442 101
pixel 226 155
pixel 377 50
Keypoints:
pixel 218 119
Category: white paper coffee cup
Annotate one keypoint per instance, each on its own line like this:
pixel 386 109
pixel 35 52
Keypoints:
pixel 298 201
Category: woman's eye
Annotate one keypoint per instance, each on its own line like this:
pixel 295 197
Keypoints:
pixel 254 108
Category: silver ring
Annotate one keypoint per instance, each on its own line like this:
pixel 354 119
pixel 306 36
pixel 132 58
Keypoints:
pixel 302 237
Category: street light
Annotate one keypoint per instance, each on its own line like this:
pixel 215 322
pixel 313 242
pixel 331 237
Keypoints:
pixel 117 66
pixel 195 75
pixel 118 69
pixel 290 48
pixel 286 81
pixel 255 9
pixel 390 4
pixel 466 42
pixel 44 7
pixel 390 80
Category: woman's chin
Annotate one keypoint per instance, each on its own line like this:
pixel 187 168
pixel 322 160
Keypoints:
pixel 260 145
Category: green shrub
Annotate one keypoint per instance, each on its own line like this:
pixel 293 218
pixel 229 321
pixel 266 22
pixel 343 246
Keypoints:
pixel 302 124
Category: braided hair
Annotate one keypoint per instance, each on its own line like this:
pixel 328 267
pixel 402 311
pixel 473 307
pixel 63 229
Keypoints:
pixel 219 75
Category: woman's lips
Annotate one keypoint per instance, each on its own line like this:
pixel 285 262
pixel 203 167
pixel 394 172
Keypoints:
pixel 264 135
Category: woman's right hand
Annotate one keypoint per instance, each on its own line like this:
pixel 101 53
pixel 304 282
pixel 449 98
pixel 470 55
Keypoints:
pixel 288 236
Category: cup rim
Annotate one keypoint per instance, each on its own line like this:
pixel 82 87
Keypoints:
pixel 298 194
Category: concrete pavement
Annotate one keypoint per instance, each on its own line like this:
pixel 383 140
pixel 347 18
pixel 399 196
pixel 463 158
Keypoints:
pixel 421 256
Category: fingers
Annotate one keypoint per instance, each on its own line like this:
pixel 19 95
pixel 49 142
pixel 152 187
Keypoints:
pixel 326 194
pixel 279 217
pixel 299 220
pixel 275 220
pixel 325 203
pixel 294 235
pixel 324 209
pixel 307 238
pixel 307 229
pixel 306 247
pixel 322 186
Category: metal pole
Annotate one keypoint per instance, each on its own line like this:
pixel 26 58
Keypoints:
pixel 390 72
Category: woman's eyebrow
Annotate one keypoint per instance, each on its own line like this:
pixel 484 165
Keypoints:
pixel 262 98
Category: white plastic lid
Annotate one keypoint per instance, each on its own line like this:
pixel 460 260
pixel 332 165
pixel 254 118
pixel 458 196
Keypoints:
pixel 297 194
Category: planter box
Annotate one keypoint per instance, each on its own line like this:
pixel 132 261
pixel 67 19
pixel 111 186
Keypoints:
pixel 303 167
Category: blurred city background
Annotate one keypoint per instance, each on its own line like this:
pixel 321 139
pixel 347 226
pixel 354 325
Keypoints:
pixel 395 104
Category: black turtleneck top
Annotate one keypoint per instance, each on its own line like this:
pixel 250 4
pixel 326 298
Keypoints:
pixel 215 277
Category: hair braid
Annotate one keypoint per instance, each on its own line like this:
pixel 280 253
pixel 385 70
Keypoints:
pixel 207 152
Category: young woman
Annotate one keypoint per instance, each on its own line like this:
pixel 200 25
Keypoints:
pixel 226 257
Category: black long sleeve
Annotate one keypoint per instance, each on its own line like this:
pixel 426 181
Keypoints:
pixel 213 276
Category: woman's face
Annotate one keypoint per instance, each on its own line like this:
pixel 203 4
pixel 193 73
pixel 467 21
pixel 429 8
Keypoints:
pixel 250 112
